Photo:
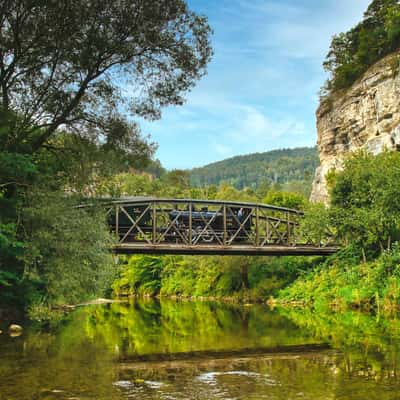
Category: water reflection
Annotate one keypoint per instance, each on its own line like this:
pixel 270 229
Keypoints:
pixel 370 344
pixel 197 350
pixel 151 327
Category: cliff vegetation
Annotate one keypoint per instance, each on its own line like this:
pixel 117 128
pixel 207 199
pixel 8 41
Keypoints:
pixel 352 53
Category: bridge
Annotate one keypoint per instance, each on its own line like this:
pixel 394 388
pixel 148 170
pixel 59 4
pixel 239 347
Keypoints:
pixel 198 227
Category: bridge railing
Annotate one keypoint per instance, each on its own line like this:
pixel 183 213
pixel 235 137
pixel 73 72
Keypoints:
pixel 202 222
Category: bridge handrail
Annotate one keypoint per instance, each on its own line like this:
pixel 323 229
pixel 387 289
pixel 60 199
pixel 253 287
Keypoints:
pixel 147 200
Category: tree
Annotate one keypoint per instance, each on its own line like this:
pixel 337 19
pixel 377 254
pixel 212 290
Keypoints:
pixel 315 226
pixel 376 9
pixel 364 201
pixel 285 199
pixel 73 76
pixel 80 65
pixel 353 52
pixel 67 257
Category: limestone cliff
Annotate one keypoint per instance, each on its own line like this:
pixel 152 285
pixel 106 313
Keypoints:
pixel 365 116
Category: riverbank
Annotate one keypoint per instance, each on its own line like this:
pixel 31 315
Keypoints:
pixel 339 283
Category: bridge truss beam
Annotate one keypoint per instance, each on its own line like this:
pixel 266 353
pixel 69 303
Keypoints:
pixel 176 226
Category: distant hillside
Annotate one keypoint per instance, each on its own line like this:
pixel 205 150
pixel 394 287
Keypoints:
pixel 291 169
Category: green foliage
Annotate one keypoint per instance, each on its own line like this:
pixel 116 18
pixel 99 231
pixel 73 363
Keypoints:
pixel 364 204
pixel 50 251
pixel 315 226
pixel 353 52
pixel 286 199
pixel 180 276
pixel 81 165
pixel 364 211
pixel 67 249
pixel 141 275
pixel 9 244
pixel 73 71
pixel 289 169
pixel 344 281
pixel 364 217
pixel 230 193
pixel 67 132
pixel 16 169
pixel 155 168
pixel 239 278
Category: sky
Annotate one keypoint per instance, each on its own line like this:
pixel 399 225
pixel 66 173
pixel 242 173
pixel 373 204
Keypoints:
pixel 261 90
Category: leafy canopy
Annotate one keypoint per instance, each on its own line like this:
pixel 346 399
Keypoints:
pixel 82 65
pixel 353 52
pixel 73 76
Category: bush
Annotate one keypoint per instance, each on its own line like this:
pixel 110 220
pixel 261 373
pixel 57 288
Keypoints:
pixel 141 275
pixel 364 201
pixel 343 281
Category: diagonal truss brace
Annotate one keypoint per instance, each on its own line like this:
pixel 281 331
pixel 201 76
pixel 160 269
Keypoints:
pixel 135 224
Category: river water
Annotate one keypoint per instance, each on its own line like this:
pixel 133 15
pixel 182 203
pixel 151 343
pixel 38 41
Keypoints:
pixel 203 350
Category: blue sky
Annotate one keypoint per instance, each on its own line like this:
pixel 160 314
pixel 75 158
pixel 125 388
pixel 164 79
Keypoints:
pixel 261 90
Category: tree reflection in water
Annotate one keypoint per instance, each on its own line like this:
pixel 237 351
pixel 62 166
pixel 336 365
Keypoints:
pixel 203 350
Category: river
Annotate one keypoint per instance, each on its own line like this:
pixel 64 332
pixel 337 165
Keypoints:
pixel 203 350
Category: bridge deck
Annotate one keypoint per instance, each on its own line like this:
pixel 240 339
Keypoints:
pixel 239 250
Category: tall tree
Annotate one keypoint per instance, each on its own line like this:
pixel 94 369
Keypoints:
pixel 73 76
pixel 80 64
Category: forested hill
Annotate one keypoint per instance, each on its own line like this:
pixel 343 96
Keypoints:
pixel 287 168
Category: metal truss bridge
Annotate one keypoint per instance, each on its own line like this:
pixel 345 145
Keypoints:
pixel 177 226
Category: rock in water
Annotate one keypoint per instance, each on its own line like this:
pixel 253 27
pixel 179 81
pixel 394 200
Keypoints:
pixel 14 328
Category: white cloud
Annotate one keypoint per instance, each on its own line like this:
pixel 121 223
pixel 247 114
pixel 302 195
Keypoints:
pixel 222 149
pixel 253 130
pixel 260 92
pixel 289 28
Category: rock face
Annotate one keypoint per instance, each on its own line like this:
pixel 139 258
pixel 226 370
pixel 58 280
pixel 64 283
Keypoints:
pixel 365 116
